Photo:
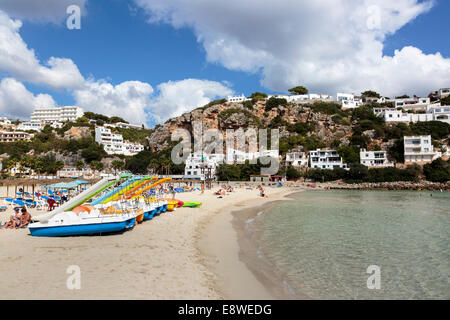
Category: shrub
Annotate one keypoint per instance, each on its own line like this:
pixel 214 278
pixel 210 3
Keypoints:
pixel 437 171
pixel 437 129
pixel 330 108
pixel 275 103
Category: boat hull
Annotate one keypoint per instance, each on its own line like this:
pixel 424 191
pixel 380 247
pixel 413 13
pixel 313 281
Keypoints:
pixel 149 215
pixel 82 229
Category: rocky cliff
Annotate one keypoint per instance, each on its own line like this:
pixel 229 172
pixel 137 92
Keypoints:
pixel 223 116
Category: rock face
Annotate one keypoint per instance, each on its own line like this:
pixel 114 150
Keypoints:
pixel 77 133
pixel 236 116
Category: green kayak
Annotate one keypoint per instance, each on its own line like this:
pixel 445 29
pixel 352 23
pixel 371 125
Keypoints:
pixel 192 204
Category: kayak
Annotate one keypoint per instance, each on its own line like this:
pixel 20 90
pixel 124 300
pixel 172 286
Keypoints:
pixel 192 204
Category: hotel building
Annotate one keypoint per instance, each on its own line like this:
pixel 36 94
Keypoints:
pixel 113 143
pixel 58 114
pixel 6 136
pixel 420 150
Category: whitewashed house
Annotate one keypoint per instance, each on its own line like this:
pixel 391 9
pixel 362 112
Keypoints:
pixel 296 158
pixel 199 166
pixel 240 98
pixel 411 104
pixel 420 150
pixel 347 101
pixel 31 125
pixel 238 156
pixel 374 159
pixel 434 112
pixel 113 143
pixel 73 172
pixel 443 93
pixel 5 121
pixel 325 159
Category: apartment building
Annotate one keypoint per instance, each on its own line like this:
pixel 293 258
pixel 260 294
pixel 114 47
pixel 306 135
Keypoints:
pixel 5 121
pixel 302 98
pixel 411 104
pixel 123 125
pixel 325 159
pixel 31 125
pixel 420 150
pixel 7 136
pixel 200 166
pixel 296 158
pixel 131 149
pixel 374 159
pixel 238 156
pixel 57 114
pixel 113 143
pixel 434 112
pixel 73 172
pixel 443 93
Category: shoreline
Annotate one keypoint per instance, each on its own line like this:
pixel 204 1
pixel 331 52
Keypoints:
pixel 239 274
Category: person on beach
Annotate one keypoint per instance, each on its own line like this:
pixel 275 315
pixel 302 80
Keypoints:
pixel 14 220
pixel 25 218
pixel 172 191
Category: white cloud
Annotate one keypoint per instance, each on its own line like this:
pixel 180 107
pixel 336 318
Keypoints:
pixel 178 97
pixel 135 102
pixel 131 100
pixel 17 102
pixel 40 10
pixel 21 62
pixel 327 45
pixel 128 100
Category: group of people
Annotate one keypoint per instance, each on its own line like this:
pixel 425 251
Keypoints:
pixel 20 219
pixel 222 191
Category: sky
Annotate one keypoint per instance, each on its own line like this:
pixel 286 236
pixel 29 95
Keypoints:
pixel 149 60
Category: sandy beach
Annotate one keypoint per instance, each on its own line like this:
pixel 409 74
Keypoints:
pixel 191 253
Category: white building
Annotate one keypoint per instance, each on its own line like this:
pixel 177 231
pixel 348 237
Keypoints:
pixel 348 101
pixel 325 159
pixel 128 125
pixel 131 149
pixel 440 113
pixel 420 150
pixel 411 104
pixel 434 112
pixel 113 143
pixel 7 136
pixel 73 172
pixel 443 93
pixel 374 159
pixel 201 165
pixel 123 125
pixel 31 125
pixel 240 98
pixel 303 98
pixel 239 156
pixel 296 158
pixel 5 121
pixel 58 114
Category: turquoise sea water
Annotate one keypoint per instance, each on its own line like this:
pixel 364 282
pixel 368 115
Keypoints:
pixel 323 242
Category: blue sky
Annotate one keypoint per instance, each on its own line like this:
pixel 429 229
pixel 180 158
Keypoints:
pixel 117 44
